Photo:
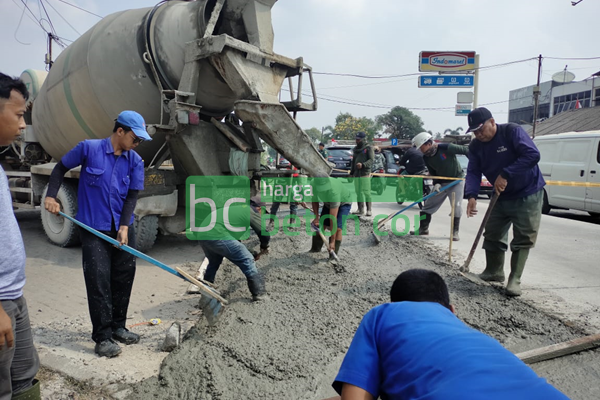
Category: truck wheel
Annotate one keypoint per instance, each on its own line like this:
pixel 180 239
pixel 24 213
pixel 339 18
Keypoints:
pixel 60 230
pixel 546 206
pixel 146 230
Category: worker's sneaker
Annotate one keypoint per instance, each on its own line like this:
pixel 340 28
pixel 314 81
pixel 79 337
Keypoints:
pixel 107 348
pixel 124 336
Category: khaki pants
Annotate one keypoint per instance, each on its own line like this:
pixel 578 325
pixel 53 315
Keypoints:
pixel 524 214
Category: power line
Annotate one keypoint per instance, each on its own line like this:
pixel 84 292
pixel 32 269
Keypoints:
pixel 417 73
pixel 17 29
pixel 573 58
pixel 81 9
pixel 63 18
pixel 47 15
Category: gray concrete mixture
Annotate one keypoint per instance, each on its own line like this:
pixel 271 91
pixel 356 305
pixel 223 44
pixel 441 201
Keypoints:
pixel 291 345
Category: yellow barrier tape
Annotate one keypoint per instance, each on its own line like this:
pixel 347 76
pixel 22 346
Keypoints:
pixel 549 183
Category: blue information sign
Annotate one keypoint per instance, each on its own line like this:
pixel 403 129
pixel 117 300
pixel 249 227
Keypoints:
pixel 394 142
pixel 445 81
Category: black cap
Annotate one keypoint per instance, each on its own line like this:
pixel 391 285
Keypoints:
pixel 477 118
pixel 322 144
pixel 361 135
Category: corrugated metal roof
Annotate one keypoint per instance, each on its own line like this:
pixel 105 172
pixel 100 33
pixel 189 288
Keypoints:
pixel 583 119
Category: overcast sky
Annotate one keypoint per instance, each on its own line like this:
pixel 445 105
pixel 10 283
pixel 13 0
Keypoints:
pixel 374 37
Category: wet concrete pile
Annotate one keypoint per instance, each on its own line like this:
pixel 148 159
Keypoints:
pixel 291 345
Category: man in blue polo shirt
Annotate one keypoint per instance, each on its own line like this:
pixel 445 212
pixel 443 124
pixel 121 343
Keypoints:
pixel 416 348
pixel 507 156
pixel 112 174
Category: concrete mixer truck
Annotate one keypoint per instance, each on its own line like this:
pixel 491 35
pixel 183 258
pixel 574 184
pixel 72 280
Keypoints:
pixel 203 75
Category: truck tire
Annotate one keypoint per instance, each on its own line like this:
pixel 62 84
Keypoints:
pixel 60 230
pixel 546 206
pixel 146 231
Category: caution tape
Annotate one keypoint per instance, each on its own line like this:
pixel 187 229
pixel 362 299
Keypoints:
pixel 577 184
pixel 549 183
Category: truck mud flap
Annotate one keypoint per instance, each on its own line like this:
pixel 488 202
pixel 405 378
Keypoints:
pixel 274 124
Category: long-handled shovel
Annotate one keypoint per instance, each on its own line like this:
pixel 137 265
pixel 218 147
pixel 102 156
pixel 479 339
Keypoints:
pixel 323 238
pixel 464 270
pixel 212 302
pixel 392 215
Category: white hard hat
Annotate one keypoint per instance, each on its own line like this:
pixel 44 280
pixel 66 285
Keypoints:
pixel 420 139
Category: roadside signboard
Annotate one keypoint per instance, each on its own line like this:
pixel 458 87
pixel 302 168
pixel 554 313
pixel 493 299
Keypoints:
pixel 463 109
pixel 445 81
pixel 446 61
pixel 464 97
pixel 394 142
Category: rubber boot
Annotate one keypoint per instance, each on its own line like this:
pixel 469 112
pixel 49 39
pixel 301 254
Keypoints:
pixel 317 244
pixel 360 210
pixel 256 284
pixel 33 393
pixel 494 267
pixel 369 209
pixel 456 227
pixel 517 264
pixel 338 244
pixel 423 225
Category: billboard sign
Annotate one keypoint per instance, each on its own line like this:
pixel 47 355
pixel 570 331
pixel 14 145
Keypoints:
pixel 446 61
pixel 445 81
pixel 463 109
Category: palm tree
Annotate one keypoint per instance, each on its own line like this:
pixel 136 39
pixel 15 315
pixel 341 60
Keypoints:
pixel 456 131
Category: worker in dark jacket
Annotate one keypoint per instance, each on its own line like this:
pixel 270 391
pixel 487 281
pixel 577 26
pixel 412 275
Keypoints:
pixel 441 160
pixel 412 161
pixel 362 162
pixel 322 151
pixel 507 156
pixel 112 174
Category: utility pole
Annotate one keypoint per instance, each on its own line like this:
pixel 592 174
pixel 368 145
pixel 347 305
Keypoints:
pixel 476 82
pixel 536 96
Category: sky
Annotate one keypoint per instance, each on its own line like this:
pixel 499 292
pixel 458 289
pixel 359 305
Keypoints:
pixel 372 38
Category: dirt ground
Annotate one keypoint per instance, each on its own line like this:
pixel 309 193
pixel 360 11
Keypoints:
pixel 291 345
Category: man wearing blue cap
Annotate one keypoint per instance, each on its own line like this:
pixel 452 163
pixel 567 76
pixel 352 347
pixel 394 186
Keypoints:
pixel 111 177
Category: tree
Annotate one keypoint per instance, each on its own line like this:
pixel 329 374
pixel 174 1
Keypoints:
pixel 346 127
pixel 314 134
pixel 456 131
pixel 400 123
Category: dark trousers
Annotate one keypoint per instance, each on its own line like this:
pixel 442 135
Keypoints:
pixel 20 363
pixel 108 274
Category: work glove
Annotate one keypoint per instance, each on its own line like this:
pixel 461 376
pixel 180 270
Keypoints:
pixel 437 187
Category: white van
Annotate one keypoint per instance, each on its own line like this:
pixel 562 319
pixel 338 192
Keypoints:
pixel 571 157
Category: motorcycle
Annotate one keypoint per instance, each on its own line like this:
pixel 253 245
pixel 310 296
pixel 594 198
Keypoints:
pixel 378 183
pixel 427 187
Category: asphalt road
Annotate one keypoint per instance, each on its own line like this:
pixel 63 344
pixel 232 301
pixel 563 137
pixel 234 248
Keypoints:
pixel 562 275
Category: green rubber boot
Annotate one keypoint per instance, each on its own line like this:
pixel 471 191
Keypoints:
pixel 338 244
pixel 33 393
pixel 517 265
pixel 317 244
pixel 494 267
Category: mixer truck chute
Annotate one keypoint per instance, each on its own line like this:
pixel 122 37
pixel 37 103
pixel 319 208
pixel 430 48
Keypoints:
pixel 205 78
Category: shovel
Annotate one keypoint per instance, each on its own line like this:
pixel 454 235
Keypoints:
pixel 212 302
pixel 464 270
pixel 323 238
pixel 392 215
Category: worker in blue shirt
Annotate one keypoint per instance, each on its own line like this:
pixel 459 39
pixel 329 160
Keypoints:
pixel 416 348
pixel 111 176
pixel 507 156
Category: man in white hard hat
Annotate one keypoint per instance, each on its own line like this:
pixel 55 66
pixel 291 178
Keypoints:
pixel 441 161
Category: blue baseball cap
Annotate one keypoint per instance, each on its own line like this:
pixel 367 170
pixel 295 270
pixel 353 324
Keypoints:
pixel 136 122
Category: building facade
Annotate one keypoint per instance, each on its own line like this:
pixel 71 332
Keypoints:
pixel 554 98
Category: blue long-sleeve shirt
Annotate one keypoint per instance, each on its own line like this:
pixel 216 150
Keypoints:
pixel 512 154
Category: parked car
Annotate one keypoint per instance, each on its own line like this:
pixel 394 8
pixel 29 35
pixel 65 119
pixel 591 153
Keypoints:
pixel 341 156
pixel 486 188
pixel 571 157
